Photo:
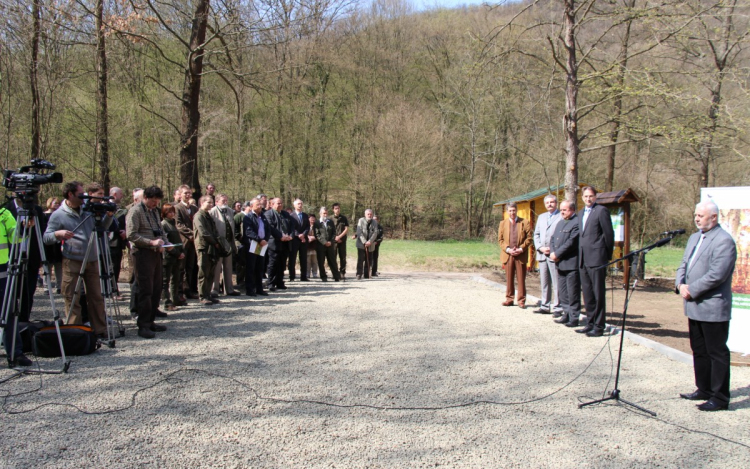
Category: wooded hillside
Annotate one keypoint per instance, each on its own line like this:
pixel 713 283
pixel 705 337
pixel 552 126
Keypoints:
pixel 427 117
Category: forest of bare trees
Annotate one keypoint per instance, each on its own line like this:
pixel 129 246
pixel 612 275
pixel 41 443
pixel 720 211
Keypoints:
pixel 427 116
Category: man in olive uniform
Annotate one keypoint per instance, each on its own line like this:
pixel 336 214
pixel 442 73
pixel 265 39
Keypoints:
pixel 325 234
pixel 342 229
pixel 206 245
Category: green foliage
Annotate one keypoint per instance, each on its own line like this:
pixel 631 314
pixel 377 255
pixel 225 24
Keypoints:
pixel 427 117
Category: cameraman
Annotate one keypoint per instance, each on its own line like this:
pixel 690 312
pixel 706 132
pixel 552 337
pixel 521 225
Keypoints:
pixel 143 225
pixel 73 227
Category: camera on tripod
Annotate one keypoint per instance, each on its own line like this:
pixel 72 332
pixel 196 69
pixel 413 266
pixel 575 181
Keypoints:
pixel 28 178
pixel 100 207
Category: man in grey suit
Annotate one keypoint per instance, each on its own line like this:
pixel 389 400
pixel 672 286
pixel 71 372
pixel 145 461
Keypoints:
pixel 596 243
pixel 545 227
pixel 564 253
pixel 704 280
pixel 367 233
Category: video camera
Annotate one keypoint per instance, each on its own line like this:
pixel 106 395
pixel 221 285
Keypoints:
pixel 28 179
pixel 101 207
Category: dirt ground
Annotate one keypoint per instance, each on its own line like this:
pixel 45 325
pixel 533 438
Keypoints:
pixel 654 312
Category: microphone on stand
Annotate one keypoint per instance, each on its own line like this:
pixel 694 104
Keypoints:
pixel 673 232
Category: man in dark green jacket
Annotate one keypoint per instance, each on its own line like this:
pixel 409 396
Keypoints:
pixel 206 244
pixel 325 234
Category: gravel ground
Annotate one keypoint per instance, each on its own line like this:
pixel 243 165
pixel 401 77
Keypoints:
pixel 399 371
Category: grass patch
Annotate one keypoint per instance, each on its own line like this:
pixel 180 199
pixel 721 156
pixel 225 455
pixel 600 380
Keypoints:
pixel 452 255
pixel 663 261
pixel 447 255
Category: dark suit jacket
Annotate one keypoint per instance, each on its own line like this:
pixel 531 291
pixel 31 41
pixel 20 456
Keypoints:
pixel 597 239
pixel 564 243
pixel 325 233
pixel 278 225
pixel 300 228
pixel 250 227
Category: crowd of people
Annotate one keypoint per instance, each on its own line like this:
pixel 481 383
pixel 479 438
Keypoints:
pixel 197 250
pixel 179 251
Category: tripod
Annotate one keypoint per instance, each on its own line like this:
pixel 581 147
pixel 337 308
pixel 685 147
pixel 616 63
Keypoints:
pixel 17 278
pixel 634 258
pixel 107 283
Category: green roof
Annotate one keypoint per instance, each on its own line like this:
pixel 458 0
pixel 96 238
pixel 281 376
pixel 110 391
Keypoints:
pixel 532 195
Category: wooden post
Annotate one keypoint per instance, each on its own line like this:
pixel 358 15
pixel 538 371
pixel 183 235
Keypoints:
pixel 626 246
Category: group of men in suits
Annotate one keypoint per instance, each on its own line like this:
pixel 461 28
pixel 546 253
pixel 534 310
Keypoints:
pixel 288 236
pixel 571 250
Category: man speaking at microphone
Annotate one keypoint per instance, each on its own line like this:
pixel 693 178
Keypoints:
pixel 704 280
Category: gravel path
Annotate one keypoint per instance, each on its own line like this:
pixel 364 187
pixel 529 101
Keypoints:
pixel 400 371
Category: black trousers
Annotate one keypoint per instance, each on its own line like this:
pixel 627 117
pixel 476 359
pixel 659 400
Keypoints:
pixel 27 288
pixel 148 271
pixel 116 254
pixel 375 255
pixel 297 248
pixel 708 340
pixel 341 252
pixel 364 262
pixel 327 253
pixel 254 267
pixel 594 295
pixel 190 271
pixel 569 293
pixel 276 264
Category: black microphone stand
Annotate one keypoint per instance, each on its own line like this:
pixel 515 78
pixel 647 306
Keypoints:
pixel 634 258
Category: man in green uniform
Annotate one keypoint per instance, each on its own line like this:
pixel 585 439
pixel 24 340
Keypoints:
pixel 342 228
pixel 206 244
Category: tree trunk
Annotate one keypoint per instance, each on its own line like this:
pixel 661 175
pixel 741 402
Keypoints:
pixel 102 131
pixel 572 144
pixel 614 135
pixel 191 115
pixel 36 132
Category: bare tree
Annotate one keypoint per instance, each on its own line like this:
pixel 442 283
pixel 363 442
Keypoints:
pixel 102 119
pixel 36 131
pixel 191 115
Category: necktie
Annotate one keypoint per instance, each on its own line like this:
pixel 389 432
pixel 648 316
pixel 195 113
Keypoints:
pixel 586 213
pixel 695 251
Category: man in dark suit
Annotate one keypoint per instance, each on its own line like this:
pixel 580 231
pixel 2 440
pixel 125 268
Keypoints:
pixel 378 242
pixel 278 244
pixel 325 234
pixel 563 251
pixel 704 280
pixel 184 213
pixel 301 226
pixel 254 228
pixel 596 243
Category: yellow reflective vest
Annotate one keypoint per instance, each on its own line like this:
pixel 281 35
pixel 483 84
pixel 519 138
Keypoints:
pixel 7 229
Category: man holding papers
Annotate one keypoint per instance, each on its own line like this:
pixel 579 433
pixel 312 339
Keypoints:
pixel 255 235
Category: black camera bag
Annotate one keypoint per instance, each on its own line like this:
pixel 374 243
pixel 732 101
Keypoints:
pixel 77 340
